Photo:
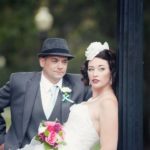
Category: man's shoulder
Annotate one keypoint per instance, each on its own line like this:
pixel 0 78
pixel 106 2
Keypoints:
pixel 74 79
pixel 73 76
pixel 24 75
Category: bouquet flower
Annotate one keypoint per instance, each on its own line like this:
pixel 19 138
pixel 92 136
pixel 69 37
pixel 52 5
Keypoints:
pixel 51 134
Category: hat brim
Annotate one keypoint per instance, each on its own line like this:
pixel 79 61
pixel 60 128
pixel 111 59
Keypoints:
pixel 69 56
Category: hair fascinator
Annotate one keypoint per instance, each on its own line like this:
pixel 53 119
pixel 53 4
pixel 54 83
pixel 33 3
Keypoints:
pixel 94 48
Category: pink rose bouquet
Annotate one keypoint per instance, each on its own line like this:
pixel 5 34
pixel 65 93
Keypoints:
pixel 51 134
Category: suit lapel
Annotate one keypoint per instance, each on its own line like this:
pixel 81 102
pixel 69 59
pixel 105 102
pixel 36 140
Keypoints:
pixel 30 96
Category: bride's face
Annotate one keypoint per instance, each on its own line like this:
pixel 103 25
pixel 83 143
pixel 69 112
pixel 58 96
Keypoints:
pixel 99 73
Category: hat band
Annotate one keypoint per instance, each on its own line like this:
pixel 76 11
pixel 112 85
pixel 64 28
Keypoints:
pixel 55 50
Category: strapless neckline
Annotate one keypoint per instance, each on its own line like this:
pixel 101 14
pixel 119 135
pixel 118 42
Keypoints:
pixel 88 115
pixel 79 128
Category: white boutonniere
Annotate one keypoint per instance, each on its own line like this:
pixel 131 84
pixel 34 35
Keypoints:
pixel 66 94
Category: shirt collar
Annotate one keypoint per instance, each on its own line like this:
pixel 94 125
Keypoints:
pixel 46 84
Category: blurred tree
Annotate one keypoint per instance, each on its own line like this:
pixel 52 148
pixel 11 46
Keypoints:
pixel 80 22
pixel 17 36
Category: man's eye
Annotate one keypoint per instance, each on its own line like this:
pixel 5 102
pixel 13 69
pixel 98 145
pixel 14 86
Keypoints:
pixel 65 62
pixel 54 60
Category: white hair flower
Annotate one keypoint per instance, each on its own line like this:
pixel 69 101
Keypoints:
pixel 94 48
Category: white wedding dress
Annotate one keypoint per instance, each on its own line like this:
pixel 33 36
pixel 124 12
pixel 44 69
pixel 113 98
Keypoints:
pixel 80 133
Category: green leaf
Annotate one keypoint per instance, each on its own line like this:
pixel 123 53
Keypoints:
pixel 47 147
pixel 37 138
pixel 46 133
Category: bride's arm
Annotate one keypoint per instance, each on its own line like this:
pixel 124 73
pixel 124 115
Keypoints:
pixel 109 124
pixel 34 145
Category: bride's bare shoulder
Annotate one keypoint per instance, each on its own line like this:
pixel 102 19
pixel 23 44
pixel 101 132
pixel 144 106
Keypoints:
pixel 109 102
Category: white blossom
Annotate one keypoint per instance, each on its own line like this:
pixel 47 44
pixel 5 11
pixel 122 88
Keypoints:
pixel 41 128
pixel 66 90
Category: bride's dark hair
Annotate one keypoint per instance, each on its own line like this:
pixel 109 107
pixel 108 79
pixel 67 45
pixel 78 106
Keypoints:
pixel 107 55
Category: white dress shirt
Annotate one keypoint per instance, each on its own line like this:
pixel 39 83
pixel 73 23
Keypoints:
pixel 49 93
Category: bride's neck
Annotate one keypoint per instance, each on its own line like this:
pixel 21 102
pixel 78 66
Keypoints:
pixel 101 91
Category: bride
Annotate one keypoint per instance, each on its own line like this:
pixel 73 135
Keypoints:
pixel 97 119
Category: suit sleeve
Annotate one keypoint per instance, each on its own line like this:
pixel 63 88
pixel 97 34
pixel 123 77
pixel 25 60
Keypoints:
pixel 87 93
pixel 4 102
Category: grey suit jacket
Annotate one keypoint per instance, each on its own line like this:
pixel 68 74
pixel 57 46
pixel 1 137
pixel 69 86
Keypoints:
pixel 19 94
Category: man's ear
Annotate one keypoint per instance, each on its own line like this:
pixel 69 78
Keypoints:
pixel 42 61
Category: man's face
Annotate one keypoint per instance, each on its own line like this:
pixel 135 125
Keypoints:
pixel 54 67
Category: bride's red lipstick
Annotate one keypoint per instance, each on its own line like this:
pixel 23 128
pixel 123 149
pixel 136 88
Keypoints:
pixel 95 81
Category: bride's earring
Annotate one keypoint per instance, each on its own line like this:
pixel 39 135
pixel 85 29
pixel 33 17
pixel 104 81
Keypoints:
pixel 110 81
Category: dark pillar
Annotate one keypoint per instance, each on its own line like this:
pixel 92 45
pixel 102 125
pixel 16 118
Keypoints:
pixel 130 62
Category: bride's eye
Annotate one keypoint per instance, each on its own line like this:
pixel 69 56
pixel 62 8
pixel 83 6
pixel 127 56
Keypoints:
pixel 101 69
pixel 90 69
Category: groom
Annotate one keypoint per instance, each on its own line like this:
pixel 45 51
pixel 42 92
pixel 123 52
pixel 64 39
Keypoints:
pixel 36 96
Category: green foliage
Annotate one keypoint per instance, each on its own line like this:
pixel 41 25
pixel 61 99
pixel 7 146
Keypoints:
pixel 80 22
pixel 96 147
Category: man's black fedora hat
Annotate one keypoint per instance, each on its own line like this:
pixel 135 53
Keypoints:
pixel 55 47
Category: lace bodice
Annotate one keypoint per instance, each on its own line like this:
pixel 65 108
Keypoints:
pixel 79 129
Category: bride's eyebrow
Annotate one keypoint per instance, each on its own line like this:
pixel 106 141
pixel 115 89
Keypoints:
pixel 101 66
pixel 97 66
